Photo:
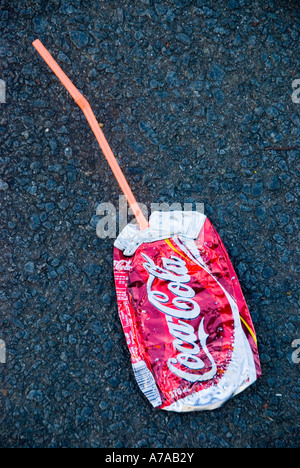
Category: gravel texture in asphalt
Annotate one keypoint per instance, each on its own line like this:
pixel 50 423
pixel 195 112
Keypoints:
pixel 196 99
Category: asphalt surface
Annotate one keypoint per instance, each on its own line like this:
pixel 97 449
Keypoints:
pixel 195 98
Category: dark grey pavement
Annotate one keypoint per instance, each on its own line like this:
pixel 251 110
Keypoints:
pixel 195 97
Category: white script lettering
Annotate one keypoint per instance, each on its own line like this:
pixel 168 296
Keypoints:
pixel 175 272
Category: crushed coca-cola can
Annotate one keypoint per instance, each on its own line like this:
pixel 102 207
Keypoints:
pixel 187 325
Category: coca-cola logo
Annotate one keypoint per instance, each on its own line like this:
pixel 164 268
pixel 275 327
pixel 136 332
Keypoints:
pixel 188 342
pixel 122 265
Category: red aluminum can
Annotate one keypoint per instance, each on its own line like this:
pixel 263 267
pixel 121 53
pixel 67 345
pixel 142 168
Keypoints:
pixel 187 325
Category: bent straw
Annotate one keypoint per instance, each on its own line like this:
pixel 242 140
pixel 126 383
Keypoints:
pixel 86 108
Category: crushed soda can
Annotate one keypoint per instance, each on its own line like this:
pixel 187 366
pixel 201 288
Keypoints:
pixel 187 325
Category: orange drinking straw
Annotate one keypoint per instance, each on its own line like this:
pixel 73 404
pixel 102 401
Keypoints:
pixel 86 108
